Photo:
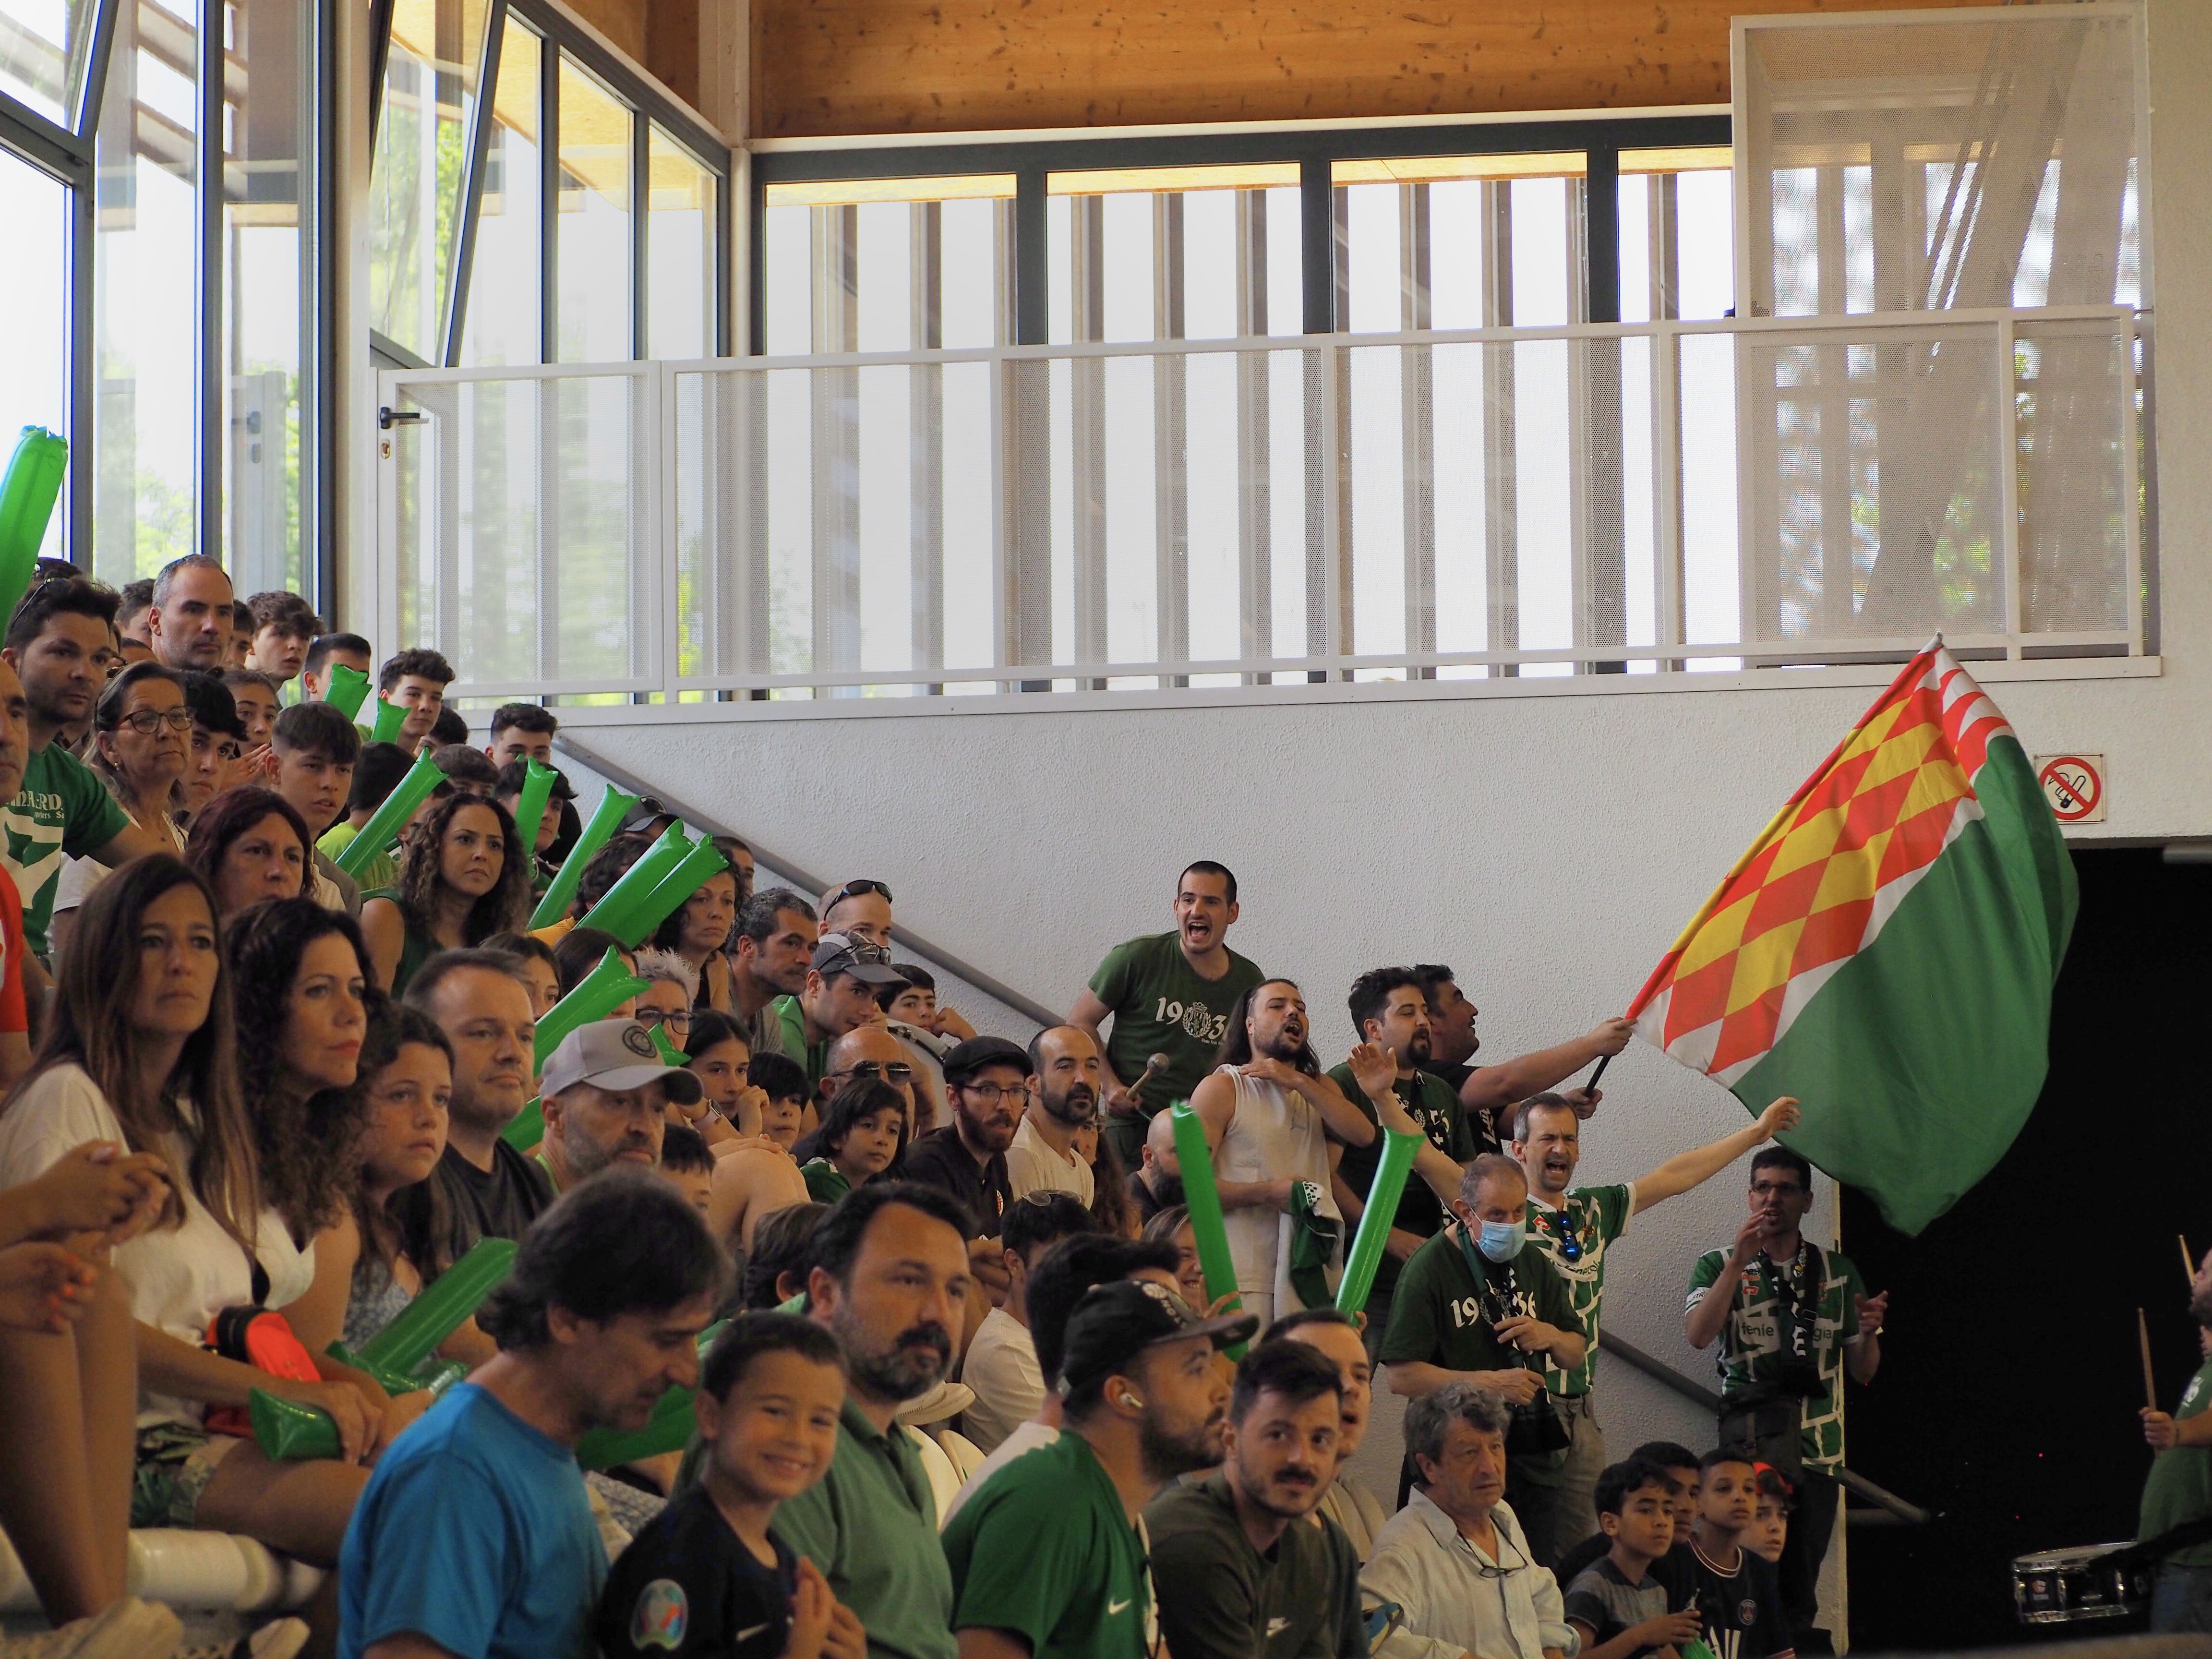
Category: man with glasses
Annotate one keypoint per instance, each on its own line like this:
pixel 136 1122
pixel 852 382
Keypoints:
pixel 769 950
pixel 1454 1560
pixel 838 995
pixel 860 909
pixel 1574 1229
pixel 869 1054
pixel 986 1087
pixel 1790 1317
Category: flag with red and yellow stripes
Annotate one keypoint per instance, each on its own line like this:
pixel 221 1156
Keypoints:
pixel 1886 949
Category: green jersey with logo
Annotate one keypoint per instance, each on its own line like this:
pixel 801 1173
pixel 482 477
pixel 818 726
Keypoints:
pixel 2180 1485
pixel 1574 1239
pixel 1761 1331
pixel 63 810
pixel 1046 1551
pixel 1161 1007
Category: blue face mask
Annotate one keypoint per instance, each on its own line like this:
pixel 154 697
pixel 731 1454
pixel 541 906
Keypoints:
pixel 1501 1241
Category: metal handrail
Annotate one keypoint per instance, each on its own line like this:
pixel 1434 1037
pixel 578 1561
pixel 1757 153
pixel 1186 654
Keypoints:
pixel 909 940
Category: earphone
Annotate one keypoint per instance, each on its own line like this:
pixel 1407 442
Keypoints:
pixel 1131 1401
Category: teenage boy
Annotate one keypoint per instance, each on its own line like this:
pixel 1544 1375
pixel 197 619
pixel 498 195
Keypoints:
pixel 328 651
pixel 283 627
pixel 1680 1465
pixel 706 1579
pixel 507 788
pixel 522 732
pixel 378 768
pixel 313 750
pixel 415 680
pixel 1734 1593
pixel 1618 1605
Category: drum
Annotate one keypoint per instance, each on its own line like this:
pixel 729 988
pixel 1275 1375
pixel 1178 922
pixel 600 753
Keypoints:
pixel 2070 1586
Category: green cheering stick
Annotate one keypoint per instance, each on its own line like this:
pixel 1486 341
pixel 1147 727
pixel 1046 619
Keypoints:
pixel 390 716
pixel 1399 1150
pixel 399 806
pixel 446 1303
pixel 347 690
pixel 27 490
pixel 619 911
pixel 1196 1159
pixel 612 807
pixel 594 998
pixel 530 805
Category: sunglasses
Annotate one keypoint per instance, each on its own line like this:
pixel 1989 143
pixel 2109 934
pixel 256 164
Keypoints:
pixel 898 1071
pixel 858 889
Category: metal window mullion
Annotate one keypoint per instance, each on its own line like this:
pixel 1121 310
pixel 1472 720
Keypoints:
pixel 1170 442
pixel 379 57
pixel 318 529
pixel 549 205
pixel 94 89
pixel 208 418
pixel 1666 470
pixel 1417 377
pixel 1086 402
pixel 926 427
pixel 2007 437
pixel 1254 451
pixel 725 262
pixel 471 195
pixel 83 384
pixel 1501 484
pixel 2139 444
pixel 640 180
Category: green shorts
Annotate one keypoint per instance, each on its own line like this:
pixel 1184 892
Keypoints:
pixel 174 1462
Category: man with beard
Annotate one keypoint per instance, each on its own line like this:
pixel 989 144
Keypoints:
pixel 1269 1115
pixel 769 951
pixel 1575 1229
pixel 1049 1560
pixel 2178 1492
pixel 1486 1091
pixel 1000 1366
pixel 987 1086
pixel 1167 994
pixel 605 1094
pixel 1156 1184
pixel 1242 1570
pixel 1068 1075
pixel 1390 1011
pixel 890 1280
pixel 478 999
pixel 1336 1338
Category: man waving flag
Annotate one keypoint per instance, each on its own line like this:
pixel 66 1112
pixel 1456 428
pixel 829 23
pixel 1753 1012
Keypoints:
pixel 1886 949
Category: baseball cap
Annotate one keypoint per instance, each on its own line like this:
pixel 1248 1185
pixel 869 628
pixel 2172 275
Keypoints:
pixel 840 953
pixel 617 1055
pixel 1115 1323
pixel 963 1059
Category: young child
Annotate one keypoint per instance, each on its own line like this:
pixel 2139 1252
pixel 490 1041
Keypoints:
pixel 705 1577
pixel 1619 1605
pixel 783 1080
pixel 1735 1593
pixel 1680 1465
pixel 1770 1526
pixel 861 1134
pixel 688 1161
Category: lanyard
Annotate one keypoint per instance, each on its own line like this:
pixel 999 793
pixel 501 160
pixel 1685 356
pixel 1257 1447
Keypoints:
pixel 1800 1296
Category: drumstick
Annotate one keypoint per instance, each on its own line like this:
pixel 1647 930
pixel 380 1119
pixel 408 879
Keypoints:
pixel 2188 1260
pixel 2150 1377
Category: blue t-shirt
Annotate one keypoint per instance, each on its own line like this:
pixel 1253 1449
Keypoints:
pixel 474 1532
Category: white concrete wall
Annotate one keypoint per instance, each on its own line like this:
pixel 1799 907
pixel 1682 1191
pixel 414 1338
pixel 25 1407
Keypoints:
pixel 1548 846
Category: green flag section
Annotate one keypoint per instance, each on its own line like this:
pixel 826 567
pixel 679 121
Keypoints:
pixel 1886 951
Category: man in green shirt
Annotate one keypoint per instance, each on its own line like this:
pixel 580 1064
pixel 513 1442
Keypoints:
pixel 57 643
pixel 1390 1009
pixel 1242 1570
pixel 889 1279
pixel 1169 994
pixel 1575 1227
pixel 1475 1305
pixel 1790 1318
pixel 1047 1560
pixel 2179 1488
pixel 839 996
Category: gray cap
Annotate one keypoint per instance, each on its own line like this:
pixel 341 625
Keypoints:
pixel 840 953
pixel 616 1055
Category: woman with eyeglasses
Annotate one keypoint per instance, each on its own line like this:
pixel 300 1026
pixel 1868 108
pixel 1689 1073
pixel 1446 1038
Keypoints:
pixel 458 886
pixel 141 743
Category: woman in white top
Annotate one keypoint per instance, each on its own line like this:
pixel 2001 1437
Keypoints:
pixel 141 740
pixel 138 1049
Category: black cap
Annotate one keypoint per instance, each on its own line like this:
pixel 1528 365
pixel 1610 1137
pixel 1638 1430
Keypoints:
pixel 840 953
pixel 1115 1323
pixel 962 1060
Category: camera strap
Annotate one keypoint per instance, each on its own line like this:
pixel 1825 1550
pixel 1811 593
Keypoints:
pixel 1494 1283
pixel 1799 1294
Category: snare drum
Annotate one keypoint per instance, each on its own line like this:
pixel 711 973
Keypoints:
pixel 2065 1587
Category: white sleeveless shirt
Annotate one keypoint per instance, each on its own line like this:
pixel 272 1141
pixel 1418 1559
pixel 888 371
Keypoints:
pixel 1274 1134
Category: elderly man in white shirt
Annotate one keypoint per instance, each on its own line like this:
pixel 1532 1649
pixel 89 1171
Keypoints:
pixel 1454 1560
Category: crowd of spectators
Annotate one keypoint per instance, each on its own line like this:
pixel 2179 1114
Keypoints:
pixel 928 1307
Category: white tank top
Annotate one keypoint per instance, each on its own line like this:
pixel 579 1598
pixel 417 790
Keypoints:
pixel 1275 1134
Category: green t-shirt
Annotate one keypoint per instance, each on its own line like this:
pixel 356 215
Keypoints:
pixel 870 1526
pixel 1221 1598
pixel 2179 1487
pixel 1429 1101
pixel 825 1181
pixel 1437 1317
pixel 1596 1216
pixel 377 869
pixel 1758 1332
pixel 1161 1007
pixel 63 810
pixel 1044 1549
pixel 791 1023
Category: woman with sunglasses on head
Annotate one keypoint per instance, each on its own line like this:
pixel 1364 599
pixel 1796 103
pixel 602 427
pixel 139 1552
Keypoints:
pixel 457 885
pixel 698 931
pixel 141 742
pixel 250 845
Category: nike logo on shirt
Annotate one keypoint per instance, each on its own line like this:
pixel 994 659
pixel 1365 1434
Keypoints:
pixel 1113 1608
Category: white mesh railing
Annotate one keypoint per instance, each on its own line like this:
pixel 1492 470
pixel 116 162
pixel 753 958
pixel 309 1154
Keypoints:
pixel 1648 498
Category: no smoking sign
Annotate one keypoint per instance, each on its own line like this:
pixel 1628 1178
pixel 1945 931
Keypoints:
pixel 2074 787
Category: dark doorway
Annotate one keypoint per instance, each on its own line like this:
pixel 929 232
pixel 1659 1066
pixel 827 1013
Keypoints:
pixel 2010 1377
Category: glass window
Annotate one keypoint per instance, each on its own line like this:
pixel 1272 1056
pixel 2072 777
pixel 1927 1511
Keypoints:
pixel 501 324
pixel 267 274
pixel 913 264
pixel 1175 253
pixel 679 252
pixel 1677 234
pixel 34 297
pixel 145 299
pixel 43 47
pixel 592 259
pixel 421 140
